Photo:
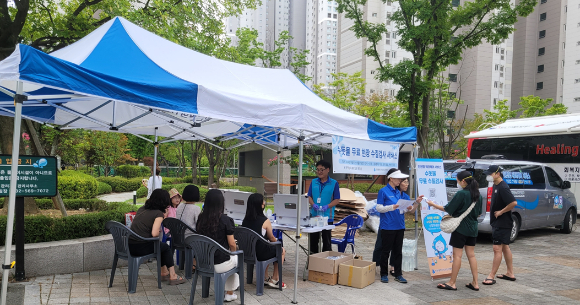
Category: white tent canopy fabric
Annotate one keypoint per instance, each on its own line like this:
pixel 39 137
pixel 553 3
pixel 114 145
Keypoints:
pixel 122 78
pixel 537 126
pixel 129 72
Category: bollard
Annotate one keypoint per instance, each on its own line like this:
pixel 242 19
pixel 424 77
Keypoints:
pixel 134 197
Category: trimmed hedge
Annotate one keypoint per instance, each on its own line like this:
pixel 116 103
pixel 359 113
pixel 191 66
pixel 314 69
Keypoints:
pixel 42 228
pixel 77 185
pixel 362 187
pixel 119 184
pixel 142 192
pixel 133 171
pixel 104 188
pixel 74 204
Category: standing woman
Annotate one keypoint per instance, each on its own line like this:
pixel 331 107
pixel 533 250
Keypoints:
pixel 466 233
pixel 214 224
pixel 149 183
pixel 392 226
pixel 259 223
pixel 147 223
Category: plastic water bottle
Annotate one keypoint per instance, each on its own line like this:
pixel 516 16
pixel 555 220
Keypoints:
pixel 269 214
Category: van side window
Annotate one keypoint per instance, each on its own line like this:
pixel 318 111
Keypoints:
pixel 537 176
pixel 553 178
pixel 513 176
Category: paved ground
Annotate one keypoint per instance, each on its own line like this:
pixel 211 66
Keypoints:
pixel 547 270
pixel 117 197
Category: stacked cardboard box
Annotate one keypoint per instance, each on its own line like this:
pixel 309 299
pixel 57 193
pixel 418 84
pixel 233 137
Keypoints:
pixel 322 269
pixel 356 273
pixel 349 204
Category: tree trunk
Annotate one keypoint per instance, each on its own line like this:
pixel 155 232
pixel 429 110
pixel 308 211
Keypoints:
pixel 194 153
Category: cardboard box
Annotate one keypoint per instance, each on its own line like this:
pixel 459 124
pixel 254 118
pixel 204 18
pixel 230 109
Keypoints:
pixel 323 278
pixel 319 261
pixel 357 273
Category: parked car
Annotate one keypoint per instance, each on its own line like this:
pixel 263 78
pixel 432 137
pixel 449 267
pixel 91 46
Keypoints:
pixel 543 198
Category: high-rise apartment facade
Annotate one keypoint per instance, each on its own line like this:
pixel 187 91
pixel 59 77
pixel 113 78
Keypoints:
pixel 270 19
pixel 540 42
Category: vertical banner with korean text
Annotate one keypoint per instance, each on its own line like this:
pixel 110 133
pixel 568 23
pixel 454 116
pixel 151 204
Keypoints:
pixel 365 157
pixel 431 184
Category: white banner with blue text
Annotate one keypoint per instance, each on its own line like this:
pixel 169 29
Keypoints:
pixel 364 157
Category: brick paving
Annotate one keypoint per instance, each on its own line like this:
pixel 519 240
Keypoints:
pixel 547 267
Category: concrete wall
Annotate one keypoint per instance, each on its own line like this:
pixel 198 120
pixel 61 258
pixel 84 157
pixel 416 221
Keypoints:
pixel 67 256
pixel 267 170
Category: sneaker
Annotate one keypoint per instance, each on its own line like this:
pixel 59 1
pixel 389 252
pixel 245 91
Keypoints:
pixel 274 284
pixel 230 297
pixel 267 281
pixel 401 279
pixel 384 278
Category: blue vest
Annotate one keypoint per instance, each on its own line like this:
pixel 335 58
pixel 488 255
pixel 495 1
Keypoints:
pixel 393 220
pixel 325 191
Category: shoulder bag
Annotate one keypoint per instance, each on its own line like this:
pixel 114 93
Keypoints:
pixel 449 224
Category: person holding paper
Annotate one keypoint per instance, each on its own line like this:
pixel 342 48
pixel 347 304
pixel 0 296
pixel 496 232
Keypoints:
pixel 323 196
pixel 466 233
pixel 392 226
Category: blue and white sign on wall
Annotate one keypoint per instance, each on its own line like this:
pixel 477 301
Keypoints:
pixel 352 156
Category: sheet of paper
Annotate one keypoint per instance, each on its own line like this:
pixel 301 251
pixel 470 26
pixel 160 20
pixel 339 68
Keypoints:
pixel 404 204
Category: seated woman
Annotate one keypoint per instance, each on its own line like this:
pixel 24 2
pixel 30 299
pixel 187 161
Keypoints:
pixel 188 211
pixel 213 223
pixel 259 223
pixel 147 224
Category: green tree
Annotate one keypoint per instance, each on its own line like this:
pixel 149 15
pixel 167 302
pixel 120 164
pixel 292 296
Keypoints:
pixel 383 109
pixel 343 91
pixel 445 125
pixel 533 106
pixel 138 147
pixel 107 149
pixel 501 113
pixel 73 146
pixel 436 33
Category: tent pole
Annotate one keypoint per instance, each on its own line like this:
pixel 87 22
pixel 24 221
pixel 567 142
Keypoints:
pixel 18 100
pixel 300 156
pixel 155 159
pixel 278 173
pixel 416 189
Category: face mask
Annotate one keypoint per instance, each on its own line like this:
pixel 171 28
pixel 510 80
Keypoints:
pixel 489 178
pixel 459 186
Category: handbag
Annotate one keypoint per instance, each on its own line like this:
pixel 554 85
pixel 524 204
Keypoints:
pixel 449 224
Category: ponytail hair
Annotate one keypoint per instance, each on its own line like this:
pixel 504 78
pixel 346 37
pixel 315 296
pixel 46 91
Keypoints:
pixel 472 185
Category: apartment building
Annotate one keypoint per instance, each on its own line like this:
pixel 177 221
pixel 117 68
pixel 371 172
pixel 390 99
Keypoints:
pixel 270 19
pixel 571 81
pixel 322 40
pixel 539 41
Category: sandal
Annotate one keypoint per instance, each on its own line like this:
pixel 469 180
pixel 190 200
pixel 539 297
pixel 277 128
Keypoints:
pixel 486 280
pixel 177 281
pixel 274 284
pixel 445 286
pixel 470 286
pixel 165 278
pixel 505 277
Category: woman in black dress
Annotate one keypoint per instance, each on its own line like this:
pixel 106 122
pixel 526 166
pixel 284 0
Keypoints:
pixel 259 223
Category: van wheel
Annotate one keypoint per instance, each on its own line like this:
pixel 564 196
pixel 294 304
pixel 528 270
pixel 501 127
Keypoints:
pixel 569 222
pixel 515 228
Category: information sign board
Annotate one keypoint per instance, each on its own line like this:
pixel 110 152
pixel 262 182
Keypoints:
pixel 37 176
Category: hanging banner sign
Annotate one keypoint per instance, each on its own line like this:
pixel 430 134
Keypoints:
pixel 353 156
pixel 37 176
pixel 431 184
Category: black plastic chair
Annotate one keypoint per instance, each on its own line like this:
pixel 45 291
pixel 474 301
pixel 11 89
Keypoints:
pixel 247 241
pixel 204 249
pixel 177 229
pixel 121 236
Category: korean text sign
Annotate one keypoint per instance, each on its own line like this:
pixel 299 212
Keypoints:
pixel 431 183
pixel 353 156
pixel 36 177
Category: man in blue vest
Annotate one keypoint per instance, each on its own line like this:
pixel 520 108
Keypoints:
pixel 323 196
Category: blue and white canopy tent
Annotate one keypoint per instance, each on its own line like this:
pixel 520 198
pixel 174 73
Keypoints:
pixel 122 78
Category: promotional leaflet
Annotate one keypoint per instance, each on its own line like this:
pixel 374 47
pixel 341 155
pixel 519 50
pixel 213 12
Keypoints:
pixel 365 157
pixel 431 184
